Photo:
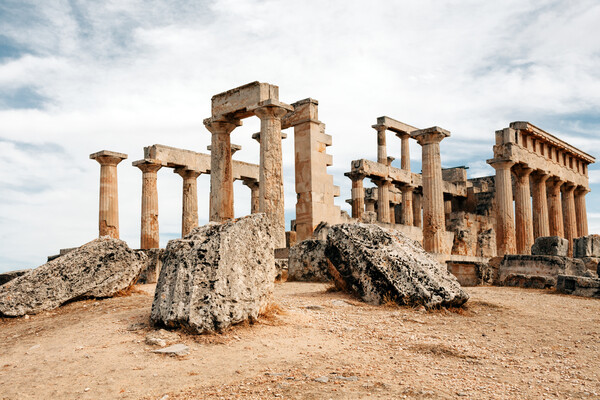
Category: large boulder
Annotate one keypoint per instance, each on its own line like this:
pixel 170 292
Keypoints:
pixel 100 268
pixel 307 261
pixel 379 264
pixel 218 275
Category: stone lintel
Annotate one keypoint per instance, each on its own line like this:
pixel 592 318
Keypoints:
pixel 234 148
pixel 396 126
pixel 108 153
pixel 239 101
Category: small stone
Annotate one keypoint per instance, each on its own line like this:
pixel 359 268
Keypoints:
pixel 156 342
pixel 322 379
pixel 86 389
pixel 179 349
pixel 317 308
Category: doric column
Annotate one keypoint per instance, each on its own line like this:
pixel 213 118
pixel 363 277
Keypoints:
pixel 541 225
pixel 149 236
pixel 221 170
pixel 392 213
pixel 555 210
pixel 383 200
pixel 405 151
pixel 358 195
pixel 370 205
pixel 271 175
pixel 407 205
pixel 523 219
pixel 434 225
pixel 569 216
pixel 189 213
pixel 254 195
pixel 381 145
pixel 580 211
pixel 505 223
pixel 108 215
pixel 417 207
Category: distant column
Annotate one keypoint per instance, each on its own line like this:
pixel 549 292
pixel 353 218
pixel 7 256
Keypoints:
pixel 370 205
pixel 189 213
pixel 254 195
pixel 505 223
pixel 541 225
pixel 523 219
pixel 555 210
pixel 405 151
pixel 580 210
pixel 108 215
pixel 570 219
pixel 271 174
pixel 358 195
pixel 407 205
pixel 433 196
pixel 383 200
pixel 149 236
pixel 221 170
pixel 417 208
pixel 381 144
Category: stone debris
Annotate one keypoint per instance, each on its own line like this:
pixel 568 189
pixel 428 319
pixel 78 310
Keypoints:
pixel 218 275
pixel 100 268
pixel 586 246
pixel 550 246
pixel 178 349
pixel 156 342
pixel 380 265
pixel 307 262
pixel 322 379
pixel 538 271
pixel 578 286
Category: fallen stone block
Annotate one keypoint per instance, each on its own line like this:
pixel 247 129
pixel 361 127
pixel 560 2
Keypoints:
pixel 529 281
pixel 550 246
pixel 514 269
pixel 378 265
pixel 307 262
pixel 217 276
pixel 586 246
pixel 6 277
pixel 591 264
pixel 578 286
pixel 100 268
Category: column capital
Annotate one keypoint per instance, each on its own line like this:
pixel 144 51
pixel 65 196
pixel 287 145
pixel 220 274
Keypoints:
pixel 403 135
pixel 106 157
pixel 355 175
pixel 500 164
pixel 435 134
pixel 568 187
pixel 250 182
pixel 522 172
pixel 271 109
pixel 582 190
pixel 408 188
pixel 541 175
pixel 187 173
pixel 147 165
pixel 220 125
pixel 379 127
pixel 234 148
pixel 380 181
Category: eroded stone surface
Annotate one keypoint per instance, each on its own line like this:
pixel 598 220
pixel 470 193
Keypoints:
pixel 378 264
pixel 6 277
pixel 587 246
pixel 218 275
pixel 100 268
pixel 515 270
pixel 578 286
pixel 307 262
pixel 550 246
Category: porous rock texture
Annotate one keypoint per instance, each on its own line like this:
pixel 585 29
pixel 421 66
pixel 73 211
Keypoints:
pixel 578 285
pixel 100 268
pixel 550 246
pixel 376 264
pixel 307 261
pixel 218 275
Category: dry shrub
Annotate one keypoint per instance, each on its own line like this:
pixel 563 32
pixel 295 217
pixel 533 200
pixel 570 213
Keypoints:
pixel 271 311
pixel 331 288
pixel 389 301
pixel 128 291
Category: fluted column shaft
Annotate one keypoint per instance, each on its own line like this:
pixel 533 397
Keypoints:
pixel 505 223
pixel 221 170
pixel 381 144
pixel 358 195
pixel 189 213
pixel 271 195
pixel 434 224
pixel 570 218
pixel 149 236
pixel 407 205
pixel 108 214
pixel 405 151
pixel 254 196
pixel 555 210
pixel 383 201
pixel 417 207
pixel 581 213
pixel 541 226
pixel 523 218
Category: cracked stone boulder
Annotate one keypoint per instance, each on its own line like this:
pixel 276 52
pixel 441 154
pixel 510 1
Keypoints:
pixel 376 264
pixel 307 262
pixel 217 276
pixel 100 268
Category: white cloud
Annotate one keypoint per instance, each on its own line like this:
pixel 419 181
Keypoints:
pixel 125 74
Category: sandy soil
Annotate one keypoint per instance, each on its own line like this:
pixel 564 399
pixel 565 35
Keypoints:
pixel 509 343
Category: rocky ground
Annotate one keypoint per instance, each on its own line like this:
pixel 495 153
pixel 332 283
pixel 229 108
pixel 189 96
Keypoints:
pixel 508 343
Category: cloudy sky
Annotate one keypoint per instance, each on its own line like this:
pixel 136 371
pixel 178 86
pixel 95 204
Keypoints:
pixel 80 76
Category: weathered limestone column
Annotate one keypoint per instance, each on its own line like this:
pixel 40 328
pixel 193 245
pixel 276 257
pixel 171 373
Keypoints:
pixel 221 170
pixel 392 213
pixel 149 236
pixel 523 218
pixel 358 195
pixel 271 175
pixel 505 223
pixel 417 207
pixel 189 213
pixel 254 195
pixel 370 206
pixel 541 225
pixel 580 211
pixel 555 209
pixel 405 151
pixel 383 200
pixel 570 218
pixel 108 215
pixel 381 144
pixel 407 205
pixel 434 224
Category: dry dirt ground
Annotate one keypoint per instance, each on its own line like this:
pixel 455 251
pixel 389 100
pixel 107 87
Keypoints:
pixel 509 343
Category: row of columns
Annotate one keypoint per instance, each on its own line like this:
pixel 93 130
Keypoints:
pixel 558 208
